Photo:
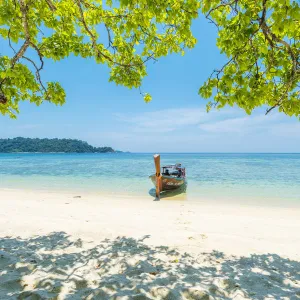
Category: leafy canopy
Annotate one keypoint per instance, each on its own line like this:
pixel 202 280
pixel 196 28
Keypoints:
pixel 123 34
pixel 261 39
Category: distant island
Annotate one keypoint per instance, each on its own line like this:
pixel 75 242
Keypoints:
pixel 21 144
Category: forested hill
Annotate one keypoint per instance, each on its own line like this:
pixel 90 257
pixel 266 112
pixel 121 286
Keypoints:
pixel 20 144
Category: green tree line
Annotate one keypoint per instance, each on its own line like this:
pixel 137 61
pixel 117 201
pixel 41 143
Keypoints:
pixel 21 144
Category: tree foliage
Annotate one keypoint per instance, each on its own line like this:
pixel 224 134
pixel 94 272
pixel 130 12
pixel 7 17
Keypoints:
pixel 123 34
pixel 261 39
pixel 49 145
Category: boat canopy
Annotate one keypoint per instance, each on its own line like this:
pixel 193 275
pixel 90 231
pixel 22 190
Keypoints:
pixel 177 166
pixel 175 170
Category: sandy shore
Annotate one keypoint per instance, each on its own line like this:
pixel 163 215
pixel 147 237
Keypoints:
pixel 61 246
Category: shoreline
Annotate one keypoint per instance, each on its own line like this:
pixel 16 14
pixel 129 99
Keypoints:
pixel 60 246
pixel 170 196
pixel 137 216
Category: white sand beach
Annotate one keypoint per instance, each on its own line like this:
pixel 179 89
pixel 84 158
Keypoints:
pixel 77 246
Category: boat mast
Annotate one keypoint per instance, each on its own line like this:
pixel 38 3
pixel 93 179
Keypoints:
pixel 158 175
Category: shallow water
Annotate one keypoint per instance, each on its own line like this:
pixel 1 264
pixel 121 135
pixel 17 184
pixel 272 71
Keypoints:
pixel 261 177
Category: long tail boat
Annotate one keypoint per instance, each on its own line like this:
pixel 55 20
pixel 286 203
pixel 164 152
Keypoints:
pixel 168 177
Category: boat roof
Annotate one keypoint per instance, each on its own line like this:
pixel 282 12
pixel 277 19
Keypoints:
pixel 174 166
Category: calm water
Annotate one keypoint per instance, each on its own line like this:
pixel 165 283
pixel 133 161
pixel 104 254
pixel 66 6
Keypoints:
pixel 264 177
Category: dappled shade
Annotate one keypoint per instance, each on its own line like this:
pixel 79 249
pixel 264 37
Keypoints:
pixel 54 264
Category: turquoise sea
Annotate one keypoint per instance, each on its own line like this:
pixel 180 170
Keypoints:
pixel 259 177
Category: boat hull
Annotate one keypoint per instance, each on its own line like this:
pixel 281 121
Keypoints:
pixel 168 182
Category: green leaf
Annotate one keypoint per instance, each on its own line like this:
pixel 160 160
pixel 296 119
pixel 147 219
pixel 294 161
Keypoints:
pixel 147 98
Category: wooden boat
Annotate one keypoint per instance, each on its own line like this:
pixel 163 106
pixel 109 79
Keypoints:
pixel 171 177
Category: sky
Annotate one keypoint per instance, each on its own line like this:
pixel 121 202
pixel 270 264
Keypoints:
pixel 104 114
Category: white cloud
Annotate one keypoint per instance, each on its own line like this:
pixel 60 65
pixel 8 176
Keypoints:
pixel 285 130
pixel 169 120
pixel 242 124
pixel 194 130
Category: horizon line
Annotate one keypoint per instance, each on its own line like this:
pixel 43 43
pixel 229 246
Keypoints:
pixel 132 152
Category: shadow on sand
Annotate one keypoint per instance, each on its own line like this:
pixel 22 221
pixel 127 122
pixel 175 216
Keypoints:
pixel 177 194
pixel 55 267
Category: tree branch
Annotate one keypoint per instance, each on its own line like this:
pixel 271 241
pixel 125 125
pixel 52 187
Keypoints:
pixel 25 45
pixel 9 41
pixel 37 72
pixel 221 5
pixel 270 36
pixel 51 5
pixel 93 38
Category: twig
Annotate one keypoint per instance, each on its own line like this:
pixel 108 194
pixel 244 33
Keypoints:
pixel 37 73
pixel 51 5
pixel 9 42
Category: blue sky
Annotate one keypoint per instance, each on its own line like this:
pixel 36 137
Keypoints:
pixel 175 121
